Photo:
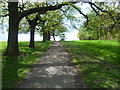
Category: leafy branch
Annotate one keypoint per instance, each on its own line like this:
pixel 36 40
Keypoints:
pixel 92 4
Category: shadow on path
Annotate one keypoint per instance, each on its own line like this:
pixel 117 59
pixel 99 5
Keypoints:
pixel 53 71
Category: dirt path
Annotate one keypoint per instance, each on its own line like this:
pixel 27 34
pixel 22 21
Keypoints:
pixel 53 71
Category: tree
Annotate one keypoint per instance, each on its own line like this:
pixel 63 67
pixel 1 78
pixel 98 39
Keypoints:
pixel 12 46
pixel 52 25
pixel 101 25
pixel 62 37
pixel 32 21
pixel 32 24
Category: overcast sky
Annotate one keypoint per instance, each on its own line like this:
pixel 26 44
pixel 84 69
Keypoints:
pixel 71 35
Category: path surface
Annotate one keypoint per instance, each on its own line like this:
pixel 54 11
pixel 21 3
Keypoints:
pixel 53 71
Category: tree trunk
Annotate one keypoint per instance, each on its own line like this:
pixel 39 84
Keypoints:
pixel 89 38
pixel 32 32
pixel 48 35
pixel 105 33
pixel 32 24
pixel 44 36
pixel 12 46
pixel 98 35
pixel 54 36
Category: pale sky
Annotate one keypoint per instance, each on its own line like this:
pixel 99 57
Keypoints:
pixel 71 35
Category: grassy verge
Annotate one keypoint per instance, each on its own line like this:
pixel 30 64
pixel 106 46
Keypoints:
pixel 14 69
pixel 98 61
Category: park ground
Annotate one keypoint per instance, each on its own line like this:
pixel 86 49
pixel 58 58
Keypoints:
pixel 98 62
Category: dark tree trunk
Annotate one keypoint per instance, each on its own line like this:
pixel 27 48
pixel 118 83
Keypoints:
pixel 44 36
pixel 32 32
pixel 48 35
pixel 54 36
pixel 98 35
pixel 89 38
pixel 32 24
pixel 12 47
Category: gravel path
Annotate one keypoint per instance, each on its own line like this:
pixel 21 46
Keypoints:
pixel 54 70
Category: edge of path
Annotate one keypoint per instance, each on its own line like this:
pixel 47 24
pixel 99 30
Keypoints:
pixel 79 81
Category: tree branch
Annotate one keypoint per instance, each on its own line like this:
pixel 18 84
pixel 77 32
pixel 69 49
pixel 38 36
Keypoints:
pixel 4 15
pixel 33 21
pixel 94 10
pixel 64 13
pixel 80 12
pixel 103 11
pixel 27 18
pixel 41 10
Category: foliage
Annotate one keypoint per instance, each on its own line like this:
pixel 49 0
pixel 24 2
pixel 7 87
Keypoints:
pixel 3 15
pixel 83 34
pixel 62 37
pixel 24 26
pixel 3 9
pixel 101 26
pixel 15 68
pixel 98 61
pixel 69 13
pixel 53 23
pixel 50 21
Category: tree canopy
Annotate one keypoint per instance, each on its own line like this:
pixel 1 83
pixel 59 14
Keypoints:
pixel 101 25
pixel 105 14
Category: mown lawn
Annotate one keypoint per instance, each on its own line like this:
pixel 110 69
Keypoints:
pixel 14 69
pixel 98 61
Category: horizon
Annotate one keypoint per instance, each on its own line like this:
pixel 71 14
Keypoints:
pixel 4 37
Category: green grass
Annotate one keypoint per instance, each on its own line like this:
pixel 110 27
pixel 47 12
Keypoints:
pixel 98 61
pixel 14 69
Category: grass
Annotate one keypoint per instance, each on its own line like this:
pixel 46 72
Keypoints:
pixel 14 69
pixel 98 61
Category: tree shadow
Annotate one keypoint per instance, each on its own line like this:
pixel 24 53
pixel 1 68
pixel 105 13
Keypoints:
pixel 12 66
pixel 11 71
pixel 51 76
pixel 98 73
pixel 100 69
pixel 15 68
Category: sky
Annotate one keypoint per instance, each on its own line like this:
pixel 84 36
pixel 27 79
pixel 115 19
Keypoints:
pixel 70 35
